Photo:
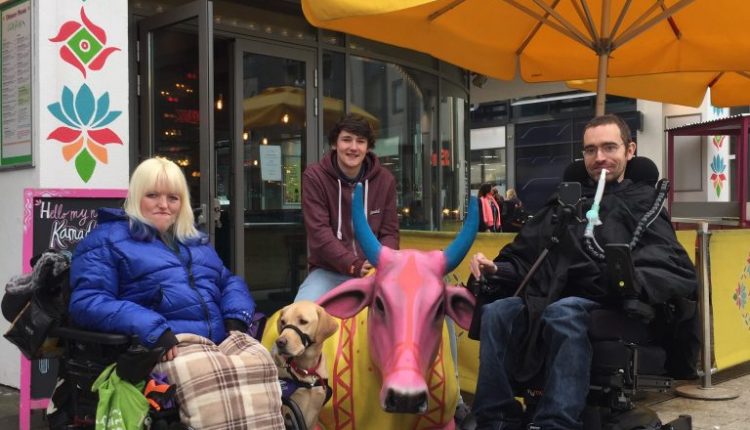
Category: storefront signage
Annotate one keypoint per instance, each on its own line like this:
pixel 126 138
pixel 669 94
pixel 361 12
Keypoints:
pixel 57 219
pixel 15 84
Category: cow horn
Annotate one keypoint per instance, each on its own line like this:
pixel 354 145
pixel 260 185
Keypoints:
pixel 366 238
pixel 456 251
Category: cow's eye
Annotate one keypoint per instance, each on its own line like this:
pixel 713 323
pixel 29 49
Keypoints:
pixel 379 306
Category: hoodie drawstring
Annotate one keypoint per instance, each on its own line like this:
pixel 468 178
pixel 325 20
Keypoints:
pixel 367 186
pixel 338 230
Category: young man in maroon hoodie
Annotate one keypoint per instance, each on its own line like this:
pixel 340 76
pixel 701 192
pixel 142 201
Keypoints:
pixel 334 256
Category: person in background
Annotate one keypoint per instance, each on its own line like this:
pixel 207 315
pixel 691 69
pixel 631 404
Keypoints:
pixel 499 199
pixel 489 213
pixel 512 197
pixel 512 212
pixel 327 187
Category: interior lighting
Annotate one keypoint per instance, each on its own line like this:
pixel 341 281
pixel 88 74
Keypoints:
pixel 220 102
pixel 285 118
pixel 265 141
pixel 245 136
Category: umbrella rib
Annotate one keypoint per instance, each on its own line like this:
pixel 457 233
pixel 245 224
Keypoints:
pixel 715 79
pixel 568 30
pixel 533 32
pixel 585 16
pixel 443 10
pixel 634 31
pixel 620 18
pixel 743 74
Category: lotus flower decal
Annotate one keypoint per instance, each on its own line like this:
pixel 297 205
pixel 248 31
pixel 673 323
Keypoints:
pixel 718 177
pixel 84 44
pixel 84 134
pixel 718 141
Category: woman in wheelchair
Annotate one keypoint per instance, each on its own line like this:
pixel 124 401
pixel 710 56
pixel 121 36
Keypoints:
pixel 543 327
pixel 147 271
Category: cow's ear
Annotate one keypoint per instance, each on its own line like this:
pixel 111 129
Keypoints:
pixel 349 298
pixel 460 305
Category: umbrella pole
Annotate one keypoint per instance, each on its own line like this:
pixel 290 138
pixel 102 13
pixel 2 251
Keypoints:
pixel 603 48
pixel 601 84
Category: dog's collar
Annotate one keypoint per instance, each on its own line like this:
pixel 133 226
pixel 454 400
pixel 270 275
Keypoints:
pixel 304 337
pixel 311 372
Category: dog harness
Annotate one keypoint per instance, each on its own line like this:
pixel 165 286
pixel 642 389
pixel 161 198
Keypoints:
pixel 290 385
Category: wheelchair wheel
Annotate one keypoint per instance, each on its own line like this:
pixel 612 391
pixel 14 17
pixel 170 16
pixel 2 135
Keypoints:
pixel 638 418
pixel 293 418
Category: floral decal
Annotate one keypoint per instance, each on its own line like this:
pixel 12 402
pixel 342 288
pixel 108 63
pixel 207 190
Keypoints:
pixel 84 134
pixel 84 44
pixel 718 177
pixel 740 295
pixel 718 141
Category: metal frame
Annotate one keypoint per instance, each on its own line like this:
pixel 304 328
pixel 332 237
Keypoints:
pixel 312 89
pixel 202 11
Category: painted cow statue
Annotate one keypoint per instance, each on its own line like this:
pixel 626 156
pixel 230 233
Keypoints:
pixel 408 302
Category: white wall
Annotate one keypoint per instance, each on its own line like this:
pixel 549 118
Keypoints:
pixel 651 143
pixel 691 154
pixel 494 90
pixel 50 74
pixel 11 236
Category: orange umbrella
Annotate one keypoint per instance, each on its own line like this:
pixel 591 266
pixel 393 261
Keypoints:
pixel 286 105
pixel 683 88
pixel 554 40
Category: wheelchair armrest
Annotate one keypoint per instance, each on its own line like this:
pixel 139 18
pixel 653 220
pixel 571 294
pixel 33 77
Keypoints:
pixel 639 310
pixel 92 336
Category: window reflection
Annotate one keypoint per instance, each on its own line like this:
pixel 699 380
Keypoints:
pixel 176 105
pixel 449 162
pixel 488 158
pixel 404 102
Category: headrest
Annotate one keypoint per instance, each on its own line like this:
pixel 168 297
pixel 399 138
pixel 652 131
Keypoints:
pixel 639 169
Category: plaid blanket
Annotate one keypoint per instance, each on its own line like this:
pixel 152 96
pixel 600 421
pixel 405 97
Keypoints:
pixel 230 386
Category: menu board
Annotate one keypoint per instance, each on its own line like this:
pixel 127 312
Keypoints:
pixel 15 83
pixel 58 219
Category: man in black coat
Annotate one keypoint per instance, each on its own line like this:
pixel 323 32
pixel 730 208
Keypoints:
pixel 545 328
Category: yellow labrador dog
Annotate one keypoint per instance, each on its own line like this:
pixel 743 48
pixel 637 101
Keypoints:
pixel 302 327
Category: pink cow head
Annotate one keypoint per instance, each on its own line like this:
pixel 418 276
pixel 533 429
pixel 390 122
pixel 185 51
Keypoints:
pixel 408 302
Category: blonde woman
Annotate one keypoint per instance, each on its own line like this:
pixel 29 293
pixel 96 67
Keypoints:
pixel 147 271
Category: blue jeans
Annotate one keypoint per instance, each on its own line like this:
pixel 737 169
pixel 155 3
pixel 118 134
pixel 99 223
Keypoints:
pixel 567 364
pixel 319 282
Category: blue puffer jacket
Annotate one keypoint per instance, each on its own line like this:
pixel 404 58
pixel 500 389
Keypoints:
pixel 126 280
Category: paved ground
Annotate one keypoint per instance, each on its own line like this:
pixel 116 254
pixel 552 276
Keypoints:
pixel 707 415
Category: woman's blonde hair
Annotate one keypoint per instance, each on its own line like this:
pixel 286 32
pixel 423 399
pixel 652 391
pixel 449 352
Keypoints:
pixel 146 177
pixel 510 193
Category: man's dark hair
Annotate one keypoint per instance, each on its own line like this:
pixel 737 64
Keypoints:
pixel 356 125
pixel 611 119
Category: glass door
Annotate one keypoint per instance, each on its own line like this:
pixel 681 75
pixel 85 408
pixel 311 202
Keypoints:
pixel 175 51
pixel 275 117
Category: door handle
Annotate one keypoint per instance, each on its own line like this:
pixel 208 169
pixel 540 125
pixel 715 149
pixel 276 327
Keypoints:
pixel 217 213
pixel 200 216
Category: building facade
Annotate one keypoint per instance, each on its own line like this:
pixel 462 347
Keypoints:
pixel 241 94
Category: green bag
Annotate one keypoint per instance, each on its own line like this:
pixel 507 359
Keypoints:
pixel 122 405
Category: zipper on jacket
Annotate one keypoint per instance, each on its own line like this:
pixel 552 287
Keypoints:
pixel 191 280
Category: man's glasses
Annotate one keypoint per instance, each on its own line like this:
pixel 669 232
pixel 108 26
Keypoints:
pixel 607 149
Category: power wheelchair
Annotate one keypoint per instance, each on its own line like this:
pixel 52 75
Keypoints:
pixel 636 348
pixel 41 330
pixel 85 354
